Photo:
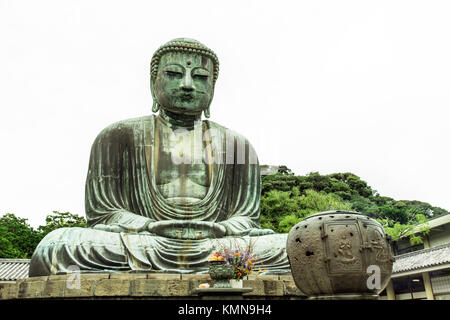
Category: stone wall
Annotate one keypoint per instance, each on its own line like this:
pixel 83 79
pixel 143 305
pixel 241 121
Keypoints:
pixel 139 286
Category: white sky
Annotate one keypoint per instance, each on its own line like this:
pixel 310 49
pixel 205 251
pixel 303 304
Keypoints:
pixel 328 86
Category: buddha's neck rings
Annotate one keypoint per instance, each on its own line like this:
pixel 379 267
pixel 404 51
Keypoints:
pixel 179 120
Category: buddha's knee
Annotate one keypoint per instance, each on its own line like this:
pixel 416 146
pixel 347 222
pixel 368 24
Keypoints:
pixel 56 234
pixel 53 249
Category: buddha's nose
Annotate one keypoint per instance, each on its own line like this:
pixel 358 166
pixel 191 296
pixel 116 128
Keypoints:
pixel 187 83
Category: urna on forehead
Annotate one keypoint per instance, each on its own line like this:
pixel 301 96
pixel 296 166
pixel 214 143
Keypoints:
pixel 184 45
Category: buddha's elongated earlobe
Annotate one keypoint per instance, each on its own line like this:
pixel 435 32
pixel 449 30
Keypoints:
pixel 155 107
pixel 206 113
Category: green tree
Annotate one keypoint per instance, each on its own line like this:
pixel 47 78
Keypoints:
pixel 314 181
pixel 286 199
pixel 309 203
pixel 279 182
pixel 285 170
pixel 17 238
pixel 413 231
pixel 275 205
pixel 61 220
pixel 280 210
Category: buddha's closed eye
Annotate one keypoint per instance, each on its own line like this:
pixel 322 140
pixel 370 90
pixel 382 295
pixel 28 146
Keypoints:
pixel 174 74
pixel 200 77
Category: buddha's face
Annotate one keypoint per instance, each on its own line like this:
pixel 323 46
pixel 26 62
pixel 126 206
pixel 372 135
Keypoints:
pixel 184 83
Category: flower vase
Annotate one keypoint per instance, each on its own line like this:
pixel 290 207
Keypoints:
pixel 236 283
pixel 222 273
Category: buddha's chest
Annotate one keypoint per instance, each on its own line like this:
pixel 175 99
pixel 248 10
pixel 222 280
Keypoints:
pixel 180 169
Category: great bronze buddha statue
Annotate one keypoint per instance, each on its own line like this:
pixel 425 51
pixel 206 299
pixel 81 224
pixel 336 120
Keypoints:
pixel 164 191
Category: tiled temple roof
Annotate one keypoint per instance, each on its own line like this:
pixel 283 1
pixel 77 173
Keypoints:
pixel 13 269
pixel 422 259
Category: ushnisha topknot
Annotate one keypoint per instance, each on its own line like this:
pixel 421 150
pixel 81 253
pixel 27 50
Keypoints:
pixel 183 45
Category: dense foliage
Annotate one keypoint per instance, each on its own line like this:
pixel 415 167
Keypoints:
pixel 61 220
pixel 287 199
pixel 18 239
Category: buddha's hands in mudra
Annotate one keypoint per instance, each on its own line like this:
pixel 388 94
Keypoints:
pixel 187 229
pixel 194 229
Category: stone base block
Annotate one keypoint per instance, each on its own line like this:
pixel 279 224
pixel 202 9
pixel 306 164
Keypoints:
pixel 139 286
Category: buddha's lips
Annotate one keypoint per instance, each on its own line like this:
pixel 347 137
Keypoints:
pixel 187 97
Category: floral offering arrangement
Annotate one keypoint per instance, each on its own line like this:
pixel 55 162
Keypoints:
pixel 241 258
pixel 243 264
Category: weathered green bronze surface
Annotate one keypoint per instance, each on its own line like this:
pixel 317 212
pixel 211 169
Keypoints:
pixel 164 191
pixel 340 255
pixel 222 273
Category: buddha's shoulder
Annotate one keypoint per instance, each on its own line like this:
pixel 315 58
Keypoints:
pixel 127 126
pixel 224 130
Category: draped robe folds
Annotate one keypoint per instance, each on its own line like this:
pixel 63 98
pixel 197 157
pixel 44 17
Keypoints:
pixel 122 198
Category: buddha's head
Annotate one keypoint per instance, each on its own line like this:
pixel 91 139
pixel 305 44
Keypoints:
pixel 183 75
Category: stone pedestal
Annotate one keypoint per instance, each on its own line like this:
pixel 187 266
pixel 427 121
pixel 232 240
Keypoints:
pixel 144 286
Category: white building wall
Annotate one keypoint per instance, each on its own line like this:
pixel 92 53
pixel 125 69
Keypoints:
pixel 440 236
